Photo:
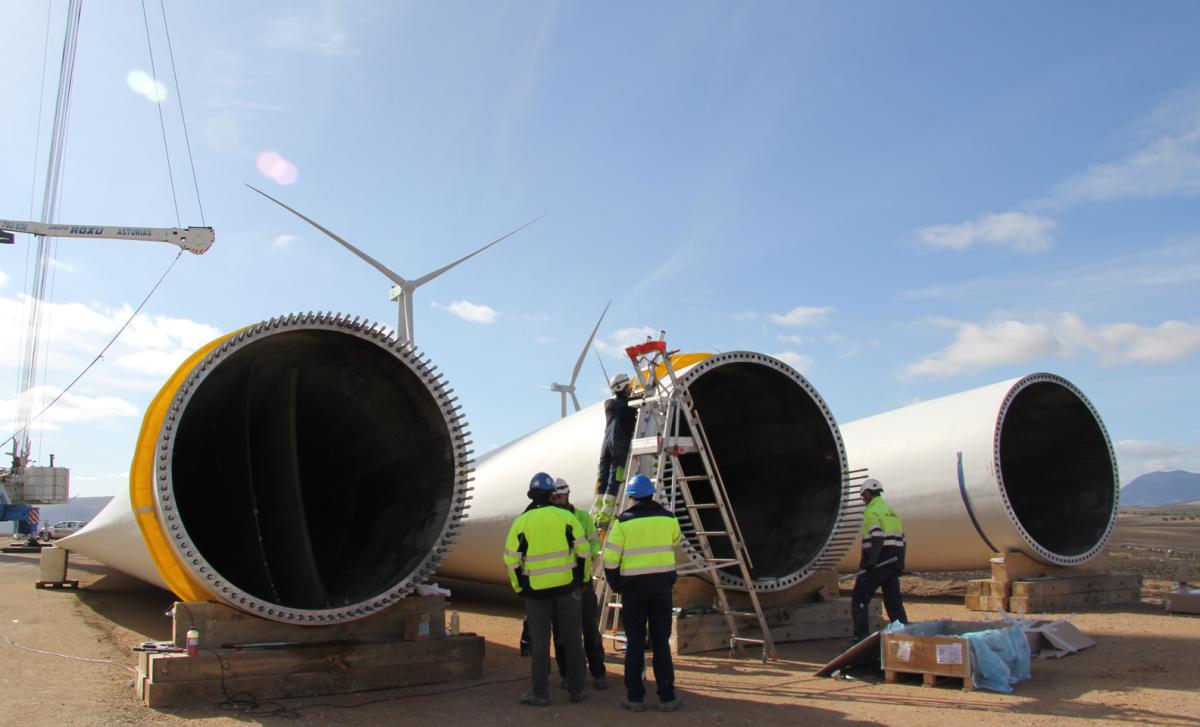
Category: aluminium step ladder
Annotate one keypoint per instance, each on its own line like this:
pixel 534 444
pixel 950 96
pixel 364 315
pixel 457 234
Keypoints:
pixel 668 429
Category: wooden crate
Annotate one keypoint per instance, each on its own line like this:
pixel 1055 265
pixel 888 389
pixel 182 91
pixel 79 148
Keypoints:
pixel 931 657
pixel 240 652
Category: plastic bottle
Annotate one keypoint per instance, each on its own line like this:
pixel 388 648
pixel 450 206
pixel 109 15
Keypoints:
pixel 454 624
pixel 423 628
pixel 193 642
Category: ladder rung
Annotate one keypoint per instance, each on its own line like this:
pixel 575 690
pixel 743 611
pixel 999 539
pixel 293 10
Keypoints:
pixel 742 614
pixel 614 604
pixel 691 478
pixel 711 533
pixel 722 561
pixel 703 506
pixel 747 640
pixel 742 589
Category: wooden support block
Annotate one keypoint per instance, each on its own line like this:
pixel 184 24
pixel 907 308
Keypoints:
pixel 219 624
pixel 1020 567
pixel 1083 583
pixel 1072 601
pixel 235 664
pixel 693 592
pixel 889 676
pixel 309 684
pixel 695 633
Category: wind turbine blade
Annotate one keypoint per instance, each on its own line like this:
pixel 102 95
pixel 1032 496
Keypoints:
pixel 575 400
pixel 606 379
pixel 367 258
pixel 426 278
pixel 562 398
pixel 586 346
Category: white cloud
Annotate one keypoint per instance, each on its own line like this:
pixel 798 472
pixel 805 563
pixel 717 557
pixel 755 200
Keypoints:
pixel 468 311
pixel 798 361
pixel 1137 457
pixel 71 408
pixel 282 242
pixel 798 340
pixel 614 344
pixel 143 84
pixel 76 333
pixel 1020 231
pixel 979 346
pixel 802 316
pixel 310 28
pixel 1168 165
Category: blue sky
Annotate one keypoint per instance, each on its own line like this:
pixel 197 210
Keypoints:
pixel 904 201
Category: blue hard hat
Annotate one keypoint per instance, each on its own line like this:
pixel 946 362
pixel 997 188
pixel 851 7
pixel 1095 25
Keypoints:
pixel 639 486
pixel 542 481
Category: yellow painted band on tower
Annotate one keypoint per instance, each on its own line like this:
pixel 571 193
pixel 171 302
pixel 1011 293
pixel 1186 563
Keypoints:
pixel 141 483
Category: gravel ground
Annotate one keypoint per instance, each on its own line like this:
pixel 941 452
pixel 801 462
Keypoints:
pixel 1141 671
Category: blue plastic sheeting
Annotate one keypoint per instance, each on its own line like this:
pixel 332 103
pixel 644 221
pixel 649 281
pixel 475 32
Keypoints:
pixel 999 658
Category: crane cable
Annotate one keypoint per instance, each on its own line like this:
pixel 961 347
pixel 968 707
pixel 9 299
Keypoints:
pixel 45 247
pixel 75 5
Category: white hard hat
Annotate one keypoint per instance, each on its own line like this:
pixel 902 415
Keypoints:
pixel 618 382
pixel 561 487
pixel 872 485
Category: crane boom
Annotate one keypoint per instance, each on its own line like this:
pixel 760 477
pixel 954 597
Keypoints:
pixel 193 239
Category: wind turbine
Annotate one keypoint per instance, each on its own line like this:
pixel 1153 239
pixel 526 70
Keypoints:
pixel 565 389
pixel 403 289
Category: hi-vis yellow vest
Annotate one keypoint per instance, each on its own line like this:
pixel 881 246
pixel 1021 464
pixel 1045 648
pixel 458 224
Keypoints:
pixel 538 548
pixel 642 545
pixel 881 521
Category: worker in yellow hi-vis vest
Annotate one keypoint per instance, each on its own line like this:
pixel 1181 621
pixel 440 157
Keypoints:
pixel 639 563
pixel 882 561
pixel 545 554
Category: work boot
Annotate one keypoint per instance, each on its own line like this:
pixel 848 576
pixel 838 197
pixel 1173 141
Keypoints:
pixel 577 697
pixel 671 706
pixel 565 683
pixel 534 700
pixel 600 682
pixel 631 706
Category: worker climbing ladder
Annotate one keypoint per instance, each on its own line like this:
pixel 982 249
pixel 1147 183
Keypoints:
pixel 668 428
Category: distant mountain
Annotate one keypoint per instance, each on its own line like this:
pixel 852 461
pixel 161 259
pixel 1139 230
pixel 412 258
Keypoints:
pixel 79 508
pixel 1160 488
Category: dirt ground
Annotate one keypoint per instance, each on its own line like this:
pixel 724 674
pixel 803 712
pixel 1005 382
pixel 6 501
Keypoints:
pixel 1142 671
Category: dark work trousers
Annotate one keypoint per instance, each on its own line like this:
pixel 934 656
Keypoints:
pixel 637 607
pixel 611 472
pixel 864 590
pixel 540 613
pixel 593 647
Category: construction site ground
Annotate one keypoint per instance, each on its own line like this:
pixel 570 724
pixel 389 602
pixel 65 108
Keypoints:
pixel 1142 670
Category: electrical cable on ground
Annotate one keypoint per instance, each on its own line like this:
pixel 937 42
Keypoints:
pixel 66 656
